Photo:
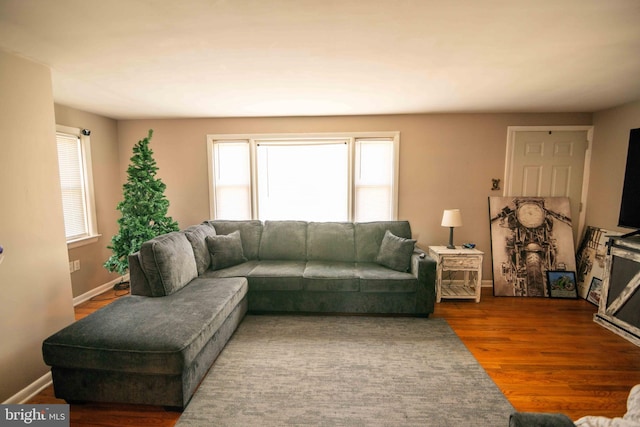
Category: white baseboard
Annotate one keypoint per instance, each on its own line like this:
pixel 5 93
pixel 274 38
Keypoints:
pixel 97 291
pixel 31 390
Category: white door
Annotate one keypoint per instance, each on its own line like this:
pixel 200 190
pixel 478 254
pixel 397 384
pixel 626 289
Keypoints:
pixel 549 163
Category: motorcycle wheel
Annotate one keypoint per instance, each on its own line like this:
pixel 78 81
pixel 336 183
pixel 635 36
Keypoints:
pixel 535 278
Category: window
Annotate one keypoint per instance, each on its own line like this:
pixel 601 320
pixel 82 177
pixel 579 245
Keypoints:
pixel 319 177
pixel 303 180
pixel 232 180
pixel 76 183
pixel 374 180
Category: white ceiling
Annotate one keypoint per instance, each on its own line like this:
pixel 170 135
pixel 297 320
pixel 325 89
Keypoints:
pixel 228 58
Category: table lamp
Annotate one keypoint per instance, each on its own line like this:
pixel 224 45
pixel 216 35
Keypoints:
pixel 451 218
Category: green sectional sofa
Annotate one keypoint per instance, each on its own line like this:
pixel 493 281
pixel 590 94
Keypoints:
pixel 191 289
pixel 329 267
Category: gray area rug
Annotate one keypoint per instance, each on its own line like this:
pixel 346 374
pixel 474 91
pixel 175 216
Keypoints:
pixel 346 371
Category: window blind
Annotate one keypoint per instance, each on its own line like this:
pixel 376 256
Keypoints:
pixel 232 183
pixel 374 180
pixel 72 183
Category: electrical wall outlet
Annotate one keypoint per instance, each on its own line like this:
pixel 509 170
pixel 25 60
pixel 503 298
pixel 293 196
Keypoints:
pixel 74 266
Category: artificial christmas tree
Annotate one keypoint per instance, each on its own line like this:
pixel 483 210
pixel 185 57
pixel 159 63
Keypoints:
pixel 144 208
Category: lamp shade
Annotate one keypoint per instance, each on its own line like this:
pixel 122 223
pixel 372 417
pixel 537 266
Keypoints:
pixel 451 218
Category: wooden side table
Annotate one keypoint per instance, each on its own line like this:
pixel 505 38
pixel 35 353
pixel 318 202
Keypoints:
pixel 469 261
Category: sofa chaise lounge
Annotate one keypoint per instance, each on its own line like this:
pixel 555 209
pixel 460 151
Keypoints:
pixel 191 289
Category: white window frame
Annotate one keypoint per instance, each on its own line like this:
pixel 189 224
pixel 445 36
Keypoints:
pixel 92 234
pixel 351 138
pixel 356 169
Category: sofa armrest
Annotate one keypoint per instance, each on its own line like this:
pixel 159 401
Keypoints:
pixel 423 267
pixel 539 419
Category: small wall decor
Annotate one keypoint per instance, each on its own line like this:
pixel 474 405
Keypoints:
pixel 562 284
pixel 595 291
pixel 1 254
pixel 495 184
pixel 590 258
pixel 529 236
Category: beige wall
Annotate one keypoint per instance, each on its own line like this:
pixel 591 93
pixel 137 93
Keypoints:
pixel 108 192
pixel 610 144
pixel 446 161
pixel 34 277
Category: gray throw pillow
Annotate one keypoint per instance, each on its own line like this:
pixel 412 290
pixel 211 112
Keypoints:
pixel 225 250
pixel 395 252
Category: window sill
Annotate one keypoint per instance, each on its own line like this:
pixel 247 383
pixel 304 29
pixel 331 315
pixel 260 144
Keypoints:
pixel 83 241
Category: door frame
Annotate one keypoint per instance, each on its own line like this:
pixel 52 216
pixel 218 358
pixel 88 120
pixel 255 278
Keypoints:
pixel 510 152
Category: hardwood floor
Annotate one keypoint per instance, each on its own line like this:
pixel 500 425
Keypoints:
pixel 547 354
pixel 544 354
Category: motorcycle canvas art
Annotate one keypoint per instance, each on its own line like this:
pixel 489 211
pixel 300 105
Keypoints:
pixel 529 236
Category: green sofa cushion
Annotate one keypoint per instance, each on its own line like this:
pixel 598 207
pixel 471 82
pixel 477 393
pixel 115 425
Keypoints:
pixel 168 263
pixel 196 235
pixel 240 270
pixel 277 276
pixel 330 241
pixel 331 276
pixel 284 240
pixel 377 278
